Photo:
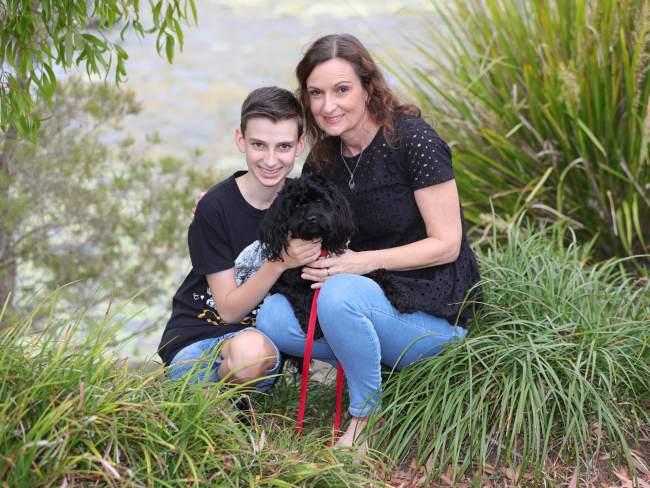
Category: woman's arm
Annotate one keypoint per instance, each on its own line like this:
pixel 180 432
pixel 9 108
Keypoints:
pixel 439 207
pixel 234 302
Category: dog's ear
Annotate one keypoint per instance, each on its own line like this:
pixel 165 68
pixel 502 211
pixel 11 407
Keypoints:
pixel 274 228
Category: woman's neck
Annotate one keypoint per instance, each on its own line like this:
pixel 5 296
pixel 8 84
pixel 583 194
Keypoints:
pixel 357 141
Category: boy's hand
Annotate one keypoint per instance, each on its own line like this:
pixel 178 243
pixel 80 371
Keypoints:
pixel 301 252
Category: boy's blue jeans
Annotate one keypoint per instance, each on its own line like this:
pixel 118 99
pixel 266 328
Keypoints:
pixel 363 330
pixel 202 360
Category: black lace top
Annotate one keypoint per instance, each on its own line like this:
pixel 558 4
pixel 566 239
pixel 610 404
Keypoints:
pixel 386 216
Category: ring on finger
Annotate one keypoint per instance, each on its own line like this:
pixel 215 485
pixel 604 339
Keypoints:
pixel 327 270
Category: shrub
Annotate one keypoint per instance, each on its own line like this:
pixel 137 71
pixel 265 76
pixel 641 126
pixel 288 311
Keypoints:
pixel 547 106
pixel 71 416
pixel 557 366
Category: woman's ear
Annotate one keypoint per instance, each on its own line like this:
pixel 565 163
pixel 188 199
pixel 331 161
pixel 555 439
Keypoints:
pixel 301 144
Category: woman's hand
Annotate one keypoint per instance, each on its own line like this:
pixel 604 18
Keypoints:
pixel 300 252
pixel 350 262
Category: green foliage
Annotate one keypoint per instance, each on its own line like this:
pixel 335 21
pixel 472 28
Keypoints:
pixel 81 205
pixel 37 36
pixel 547 104
pixel 557 366
pixel 321 399
pixel 71 415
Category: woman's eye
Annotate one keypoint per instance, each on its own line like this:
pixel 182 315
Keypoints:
pixel 314 93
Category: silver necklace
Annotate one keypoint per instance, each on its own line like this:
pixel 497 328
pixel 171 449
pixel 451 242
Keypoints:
pixel 351 183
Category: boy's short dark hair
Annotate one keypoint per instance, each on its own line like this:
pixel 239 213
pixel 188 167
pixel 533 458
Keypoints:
pixel 271 102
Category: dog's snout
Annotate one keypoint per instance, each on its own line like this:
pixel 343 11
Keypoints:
pixel 311 219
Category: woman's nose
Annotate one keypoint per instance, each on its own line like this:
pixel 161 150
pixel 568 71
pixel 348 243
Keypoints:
pixel 328 104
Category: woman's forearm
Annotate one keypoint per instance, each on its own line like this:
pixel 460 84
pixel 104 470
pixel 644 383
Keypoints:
pixel 417 255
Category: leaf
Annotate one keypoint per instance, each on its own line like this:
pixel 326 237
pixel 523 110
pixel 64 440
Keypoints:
pixel 156 12
pixel 539 185
pixel 169 47
pixel 592 137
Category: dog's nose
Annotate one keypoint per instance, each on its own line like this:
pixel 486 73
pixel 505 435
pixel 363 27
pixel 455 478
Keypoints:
pixel 311 219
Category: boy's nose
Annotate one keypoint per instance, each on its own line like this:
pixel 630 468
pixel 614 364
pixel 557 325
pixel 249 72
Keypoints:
pixel 271 157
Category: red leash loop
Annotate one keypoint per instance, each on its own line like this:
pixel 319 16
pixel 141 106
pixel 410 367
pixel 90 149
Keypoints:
pixel 309 345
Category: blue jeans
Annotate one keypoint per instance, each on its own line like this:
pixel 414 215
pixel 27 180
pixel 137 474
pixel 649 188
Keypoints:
pixel 202 359
pixel 361 329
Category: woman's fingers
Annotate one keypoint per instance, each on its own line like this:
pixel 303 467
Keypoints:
pixel 316 272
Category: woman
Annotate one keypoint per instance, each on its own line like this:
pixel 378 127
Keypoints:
pixel 396 172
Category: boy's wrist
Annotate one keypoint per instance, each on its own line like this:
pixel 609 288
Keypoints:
pixel 381 264
pixel 278 266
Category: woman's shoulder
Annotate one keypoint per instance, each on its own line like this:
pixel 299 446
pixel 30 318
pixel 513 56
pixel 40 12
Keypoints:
pixel 413 133
pixel 410 125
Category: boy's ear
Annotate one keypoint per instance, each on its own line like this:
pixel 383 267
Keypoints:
pixel 239 140
pixel 301 144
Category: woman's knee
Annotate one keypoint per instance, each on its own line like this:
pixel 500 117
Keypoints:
pixel 346 292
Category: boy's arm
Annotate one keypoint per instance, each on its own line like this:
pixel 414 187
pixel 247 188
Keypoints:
pixel 234 302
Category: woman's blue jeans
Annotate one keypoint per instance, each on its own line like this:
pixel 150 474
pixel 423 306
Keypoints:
pixel 361 329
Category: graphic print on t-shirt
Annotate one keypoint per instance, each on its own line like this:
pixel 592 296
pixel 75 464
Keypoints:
pixel 246 265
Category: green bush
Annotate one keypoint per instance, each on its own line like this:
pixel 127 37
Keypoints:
pixel 546 103
pixel 70 415
pixel 557 366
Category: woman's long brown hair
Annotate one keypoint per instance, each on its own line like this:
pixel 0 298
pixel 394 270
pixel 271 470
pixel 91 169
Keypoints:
pixel 382 103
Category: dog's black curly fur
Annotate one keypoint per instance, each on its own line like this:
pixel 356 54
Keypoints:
pixel 309 207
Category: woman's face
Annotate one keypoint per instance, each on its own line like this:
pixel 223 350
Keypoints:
pixel 337 99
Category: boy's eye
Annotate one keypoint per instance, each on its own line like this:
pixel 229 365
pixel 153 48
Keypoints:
pixel 257 145
pixel 285 147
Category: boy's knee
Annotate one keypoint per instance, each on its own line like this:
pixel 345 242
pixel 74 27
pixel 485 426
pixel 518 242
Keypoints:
pixel 247 356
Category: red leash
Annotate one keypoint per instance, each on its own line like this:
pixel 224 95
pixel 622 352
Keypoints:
pixel 309 344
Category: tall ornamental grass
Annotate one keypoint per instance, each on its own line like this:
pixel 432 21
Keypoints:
pixel 555 369
pixel 70 415
pixel 546 103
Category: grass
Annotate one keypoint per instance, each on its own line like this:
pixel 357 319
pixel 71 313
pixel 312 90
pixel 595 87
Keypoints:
pixel 547 106
pixel 556 370
pixel 556 367
pixel 71 414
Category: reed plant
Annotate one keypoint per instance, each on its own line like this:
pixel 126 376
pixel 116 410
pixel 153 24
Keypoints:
pixel 556 368
pixel 547 106
pixel 72 414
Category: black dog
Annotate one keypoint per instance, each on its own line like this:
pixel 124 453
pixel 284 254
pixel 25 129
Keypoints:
pixel 309 207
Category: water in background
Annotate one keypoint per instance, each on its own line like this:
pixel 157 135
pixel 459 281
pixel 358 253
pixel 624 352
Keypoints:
pixel 193 104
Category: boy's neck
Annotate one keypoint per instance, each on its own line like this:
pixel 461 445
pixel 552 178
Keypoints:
pixel 258 196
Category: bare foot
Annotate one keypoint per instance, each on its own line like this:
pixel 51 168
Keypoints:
pixel 351 435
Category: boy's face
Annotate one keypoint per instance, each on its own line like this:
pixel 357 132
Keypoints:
pixel 270 148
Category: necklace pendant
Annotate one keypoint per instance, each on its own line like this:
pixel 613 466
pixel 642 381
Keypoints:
pixel 351 184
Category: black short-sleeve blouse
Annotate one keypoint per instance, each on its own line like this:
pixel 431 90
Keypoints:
pixel 386 216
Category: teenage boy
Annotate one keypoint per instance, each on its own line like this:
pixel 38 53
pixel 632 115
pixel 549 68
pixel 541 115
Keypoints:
pixel 213 311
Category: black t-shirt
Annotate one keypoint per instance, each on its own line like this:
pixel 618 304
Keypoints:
pixel 222 235
pixel 386 215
